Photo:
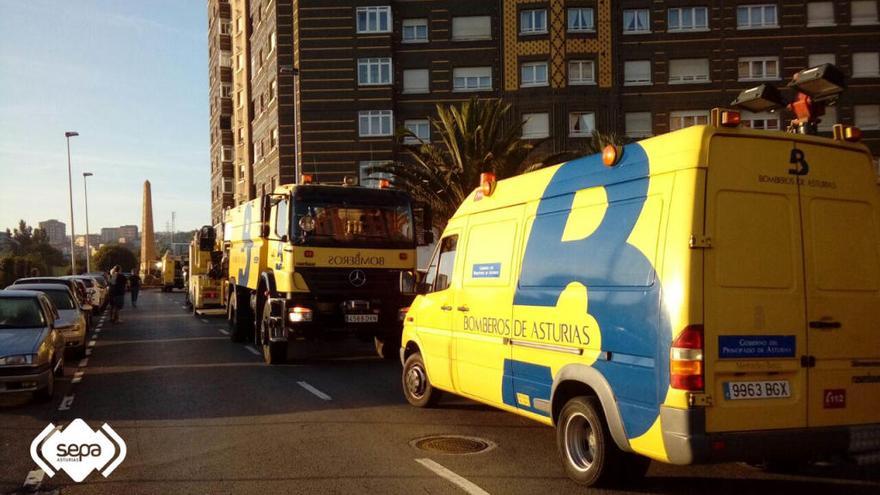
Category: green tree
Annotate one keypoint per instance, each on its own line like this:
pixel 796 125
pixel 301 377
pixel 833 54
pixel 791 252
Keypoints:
pixel 479 136
pixel 29 252
pixel 109 256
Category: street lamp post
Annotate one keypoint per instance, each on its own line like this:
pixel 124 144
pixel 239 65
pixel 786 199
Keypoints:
pixel 88 244
pixel 68 135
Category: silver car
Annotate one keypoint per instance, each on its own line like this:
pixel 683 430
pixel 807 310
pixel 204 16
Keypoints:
pixel 31 348
pixel 71 320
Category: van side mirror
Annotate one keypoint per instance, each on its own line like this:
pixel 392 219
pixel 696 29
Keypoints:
pixel 408 282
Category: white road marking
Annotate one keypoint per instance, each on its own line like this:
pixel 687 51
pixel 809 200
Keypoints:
pixel 318 393
pixel 84 362
pixel 33 480
pixel 92 343
pixel 77 377
pixel 66 402
pixel 253 351
pixel 88 352
pixel 223 331
pixel 462 483
pixel 203 320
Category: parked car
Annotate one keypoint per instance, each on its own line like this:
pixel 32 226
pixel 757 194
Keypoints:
pixel 81 300
pixel 71 321
pixel 103 284
pixel 31 346
pixel 93 293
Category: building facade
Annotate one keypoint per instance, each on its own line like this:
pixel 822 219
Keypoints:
pixel 328 84
pixel 56 231
pixel 220 94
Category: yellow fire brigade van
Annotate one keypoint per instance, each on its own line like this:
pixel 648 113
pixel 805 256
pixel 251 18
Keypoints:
pixel 311 263
pixel 706 295
pixel 206 282
pixel 171 268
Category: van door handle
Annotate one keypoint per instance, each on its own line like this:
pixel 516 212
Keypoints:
pixel 464 309
pixel 446 308
pixel 824 325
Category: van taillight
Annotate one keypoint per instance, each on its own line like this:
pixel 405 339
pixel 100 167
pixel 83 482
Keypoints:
pixel 686 359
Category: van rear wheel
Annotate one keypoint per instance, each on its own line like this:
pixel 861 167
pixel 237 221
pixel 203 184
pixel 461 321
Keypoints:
pixel 417 387
pixel 589 455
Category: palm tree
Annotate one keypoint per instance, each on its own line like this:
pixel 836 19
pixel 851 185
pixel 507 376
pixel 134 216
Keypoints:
pixel 479 136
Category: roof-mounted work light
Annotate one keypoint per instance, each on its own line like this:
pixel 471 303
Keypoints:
pixel 821 83
pixel 763 98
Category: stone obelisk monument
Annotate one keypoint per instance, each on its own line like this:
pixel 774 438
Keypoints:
pixel 148 242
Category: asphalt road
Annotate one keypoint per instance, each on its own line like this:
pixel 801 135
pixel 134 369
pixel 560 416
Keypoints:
pixel 200 414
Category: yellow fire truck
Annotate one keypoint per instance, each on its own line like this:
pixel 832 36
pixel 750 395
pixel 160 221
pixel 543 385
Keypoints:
pixel 310 263
pixel 205 276
pixel 171 268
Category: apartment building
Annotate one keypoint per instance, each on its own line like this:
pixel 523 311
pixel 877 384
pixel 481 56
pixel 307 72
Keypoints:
pixel 55 230
pixel 328 83
pixel 220 94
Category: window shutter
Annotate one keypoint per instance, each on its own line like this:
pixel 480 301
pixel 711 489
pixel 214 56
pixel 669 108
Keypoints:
pixel 471 28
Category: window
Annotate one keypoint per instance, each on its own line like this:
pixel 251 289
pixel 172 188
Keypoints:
pixel 821 58
pixel 638 124
pixel 415 30
pixel 827 121
pixel 636 21
pixel 756 16
pixel 637 73
pixel 240 61
pixel 226 153
pixel 225 59
pixel 866 64
pixel 374 19
pixel 227 185
pixel 581 72
pixel 688 70
pixel 863 12
pixel 763 120
pixel 416 81
pixel 533 21
pixel 471 28
pixel 371 179
pixel 758 68
pixel 867 117
pixel 273 139
pixel 226 91
pixel 536 125
pixel 688 19
pixel 239 24
pixel 241 134
pixel 225 27
pixel 439 275
pixel 820 14
pixel 680 120
pixel 421 128
pixel 375 123
pixel 282 218
pixel 533 74
pixel 273 41
pixel 581 124
pixel 472 78
pixel 273 89
pixel 580 20
pixel 374 71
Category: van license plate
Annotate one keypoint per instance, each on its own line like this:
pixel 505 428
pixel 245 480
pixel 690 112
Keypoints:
pixel 777 389
pixel 361 318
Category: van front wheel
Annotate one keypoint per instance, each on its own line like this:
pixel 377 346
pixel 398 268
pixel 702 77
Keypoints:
pixel 416 386
pixel 588 452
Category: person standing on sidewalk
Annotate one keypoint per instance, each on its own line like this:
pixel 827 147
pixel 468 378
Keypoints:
pixel 134 285
pixel 117 292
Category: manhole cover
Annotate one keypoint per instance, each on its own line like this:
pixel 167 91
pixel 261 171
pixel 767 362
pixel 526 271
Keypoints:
pixel 453 444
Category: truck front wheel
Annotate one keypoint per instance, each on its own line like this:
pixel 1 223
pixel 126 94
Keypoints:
pixel 273 352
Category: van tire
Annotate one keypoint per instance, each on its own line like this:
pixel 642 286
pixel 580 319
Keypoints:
pixel 417 387
pixel 238 321
pixel 387 348
pixel 595 460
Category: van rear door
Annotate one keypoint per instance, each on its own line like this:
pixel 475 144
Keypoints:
pixel 839 203
pixel 755 326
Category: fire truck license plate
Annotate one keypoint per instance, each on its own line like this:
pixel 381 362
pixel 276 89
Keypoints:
pixel 777 389
pixel 361 318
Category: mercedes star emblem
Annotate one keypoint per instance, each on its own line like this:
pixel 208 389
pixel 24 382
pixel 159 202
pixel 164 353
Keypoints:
pixel 357 278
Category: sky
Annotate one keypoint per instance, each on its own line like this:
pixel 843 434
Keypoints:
pixel 131 77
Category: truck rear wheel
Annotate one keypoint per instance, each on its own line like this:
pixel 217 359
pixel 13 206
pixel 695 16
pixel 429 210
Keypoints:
pixel 417 387
pixel 589 455
pixel 238 318
pixel 273 352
